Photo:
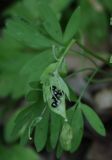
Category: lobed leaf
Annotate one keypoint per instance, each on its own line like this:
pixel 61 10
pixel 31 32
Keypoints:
pixel 50 22
pixel 55 127
pixel 27 34
pixel 93 119
pixel 33 70
pixel 77 125
pixel 41 132
pixel 73 26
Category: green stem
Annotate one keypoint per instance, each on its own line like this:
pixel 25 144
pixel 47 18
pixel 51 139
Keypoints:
pixel 66 51
pixel 85 55
pixel 102 81
pixel 68 47
pixel 85 88
pixel 78 71
pixel 93 54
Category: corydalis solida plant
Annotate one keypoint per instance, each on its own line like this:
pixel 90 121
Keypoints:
pixel 47 114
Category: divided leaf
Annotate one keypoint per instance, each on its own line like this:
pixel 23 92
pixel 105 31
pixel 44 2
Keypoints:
pixel 55 127
pixel 37 65
pixel 77 125
pixel 25 33
pixel 27 115
pixel 73 26
pixel 93 119
pixel 41 132
pixel 50 22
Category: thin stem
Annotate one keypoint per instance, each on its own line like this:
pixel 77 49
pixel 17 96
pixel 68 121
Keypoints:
pixel 85 88
pixel 68 47
pixel 93 54
pixel 89 80
pixel 35 121
pixel 81 70
pixel 102 80
pixel 66 51
pixel 54 53
pixel 85 55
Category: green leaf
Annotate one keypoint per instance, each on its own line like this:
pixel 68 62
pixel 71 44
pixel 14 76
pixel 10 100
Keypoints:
pixel 55 127
pixel 50 78
pixel 9 128
pixel 64 87
pixel 66 137
pixel 108 4
pixel 58 5
pixel 17 152
pixel 27 115
pixel 37 65
pixel 25 136
pixel 35 84
pixel 41 132
pixel 11 66
pixel 50 22
pixel 23 118
pixel 93 119
pixel 27 34
pixel 19 9
pixel 33 96
pixel 59 151
pixel 48 72
pixel 73 26
pixel 32 7
pixel 77 125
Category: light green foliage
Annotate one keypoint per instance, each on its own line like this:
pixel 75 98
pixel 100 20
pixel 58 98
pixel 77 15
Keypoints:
pixel 93 119
pixel 33 62
pixel 51 24
pixel 78 127
pixel 73 25
pixel 33 95
pixel 50 78
pixel 55 128
pixel 29 8
pixel 75 119
pixel 27 34
pixel 33 70
pixel 11 62
pixel 66 137
pixel 41 132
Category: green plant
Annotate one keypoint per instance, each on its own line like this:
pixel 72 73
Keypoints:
pixel 41 77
